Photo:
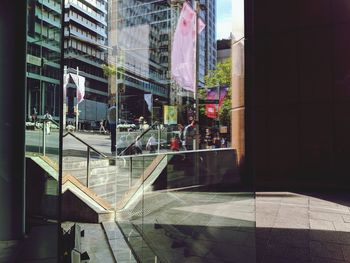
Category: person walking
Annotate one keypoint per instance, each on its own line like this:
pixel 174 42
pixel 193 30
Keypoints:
pixel 34 115
pixel 47 121
pixel 189 135
pixel 151 144
pixel 112 119
pixel 175 143
pixel 217 140
pixel 208 139
pixel 102 127
pixel 138 145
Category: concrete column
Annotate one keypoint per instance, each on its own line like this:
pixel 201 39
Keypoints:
pixel 238 107
pixel 12 118
pixel 237 82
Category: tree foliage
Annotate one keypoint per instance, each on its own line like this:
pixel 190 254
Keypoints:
pixel 109 70
pixel 221 76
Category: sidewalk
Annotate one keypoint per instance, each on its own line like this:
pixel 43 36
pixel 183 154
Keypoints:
pixel 294 227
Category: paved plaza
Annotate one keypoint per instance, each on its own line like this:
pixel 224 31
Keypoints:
pixel 290 227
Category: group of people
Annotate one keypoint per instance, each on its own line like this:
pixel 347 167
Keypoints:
pixel 214 140
pixel 187 138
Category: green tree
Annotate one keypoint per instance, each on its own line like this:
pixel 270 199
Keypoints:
pixel 221 76
pixel 109 70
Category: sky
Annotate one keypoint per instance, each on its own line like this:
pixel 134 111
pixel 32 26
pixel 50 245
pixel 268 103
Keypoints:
pixel 223 18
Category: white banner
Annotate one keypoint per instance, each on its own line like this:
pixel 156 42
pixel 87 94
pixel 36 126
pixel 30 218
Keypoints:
pixel 80 83
pixel 149 101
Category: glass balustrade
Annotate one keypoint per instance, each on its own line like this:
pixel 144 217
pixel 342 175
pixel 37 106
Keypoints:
pixel 177 207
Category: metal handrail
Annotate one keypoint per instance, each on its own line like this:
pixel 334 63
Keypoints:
pixel 85 143
pixel 89 148
pixel 138 138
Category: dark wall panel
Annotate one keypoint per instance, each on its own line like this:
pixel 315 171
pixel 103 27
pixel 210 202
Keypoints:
pixel 298 93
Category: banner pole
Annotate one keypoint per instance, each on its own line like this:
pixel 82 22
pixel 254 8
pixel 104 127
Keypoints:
pixel 77 109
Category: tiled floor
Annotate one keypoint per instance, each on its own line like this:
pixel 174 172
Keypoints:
pixel 294 227
pixel 290 227
pixel 94 242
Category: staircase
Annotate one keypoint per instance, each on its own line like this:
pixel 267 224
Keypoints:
pixel 110 182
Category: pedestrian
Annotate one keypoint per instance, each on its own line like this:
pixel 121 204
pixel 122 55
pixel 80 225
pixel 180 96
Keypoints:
pixel 223 142
pixel 175 143
pixel 47 121
pixel 181 134
pixel 112 119
pixel 151 144
pixel 34 115
pixel 189 135
pixel 217 140
pixel 141 119
pixel 145 126
pixel 208 139
pixel 138 145
pixel 102 127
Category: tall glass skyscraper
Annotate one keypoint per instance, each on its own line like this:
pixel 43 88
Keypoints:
pixel 43 45
pixel 207 40
pixel 85 39
pixel 140 46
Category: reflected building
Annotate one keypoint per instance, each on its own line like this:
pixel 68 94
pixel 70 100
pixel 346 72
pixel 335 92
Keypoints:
pixel 43 55
pixel 140 45
pixel 85 39
pixel 207 40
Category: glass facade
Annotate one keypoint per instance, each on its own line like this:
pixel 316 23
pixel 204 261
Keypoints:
pixel 158 168
pixel 108 154
pixel 119 148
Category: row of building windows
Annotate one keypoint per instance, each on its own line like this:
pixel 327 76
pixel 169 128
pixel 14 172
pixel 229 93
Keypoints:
pixel 43 52
pixel 147 86
pixel 86 34
pixel 86 68
pixel 87 22
pixel 46 71
pixel 84 48
pixel 42 12
pixel 95 13
pixel 48 35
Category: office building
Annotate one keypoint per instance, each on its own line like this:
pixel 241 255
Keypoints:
pixel 85 40
pixel 43 57
pixel 223 49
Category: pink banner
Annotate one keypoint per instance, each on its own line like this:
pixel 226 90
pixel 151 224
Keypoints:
pixel 184 49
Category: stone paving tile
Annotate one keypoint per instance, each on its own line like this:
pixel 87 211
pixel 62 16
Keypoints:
pixel 292 223
pixel 346 252
pixel 341 226
pixel 272 259
pixel 326 250
pixel 326 260
pixel 325 236
pixel 346 218
pixel 321 225
pixel 265 220
pixel 330 209
pixel 289 237
pixel 326 216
